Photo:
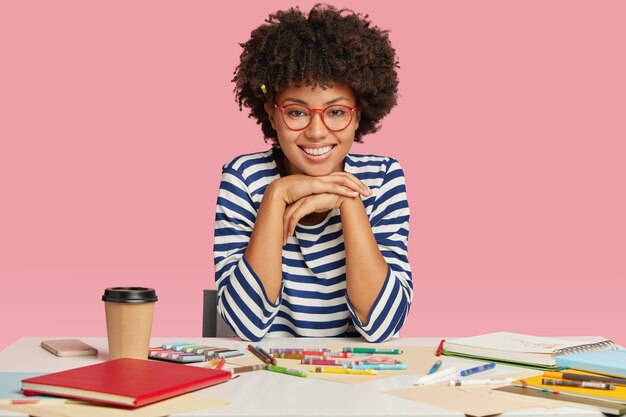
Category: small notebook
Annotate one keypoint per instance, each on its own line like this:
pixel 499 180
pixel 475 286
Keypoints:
pixel 520 349
pixel 612 362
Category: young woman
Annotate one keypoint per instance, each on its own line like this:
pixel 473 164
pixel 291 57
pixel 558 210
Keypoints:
pixel 310 239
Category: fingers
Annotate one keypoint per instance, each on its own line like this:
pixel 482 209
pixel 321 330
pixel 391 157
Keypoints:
pixel 356 184
pixel 340 183
pixel 295 187
pixel 288 225
pixel 317 203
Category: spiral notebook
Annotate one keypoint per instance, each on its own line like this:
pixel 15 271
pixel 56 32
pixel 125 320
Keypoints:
pixel 522 350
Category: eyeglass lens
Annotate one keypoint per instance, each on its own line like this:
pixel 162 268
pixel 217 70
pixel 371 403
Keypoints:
pixel 334 117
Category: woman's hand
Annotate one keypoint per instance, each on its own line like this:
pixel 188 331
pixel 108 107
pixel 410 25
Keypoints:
pixel 294 187
pixel 315 203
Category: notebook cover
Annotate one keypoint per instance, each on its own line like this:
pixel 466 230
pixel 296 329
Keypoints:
pixel 610 362
pixel 142 380
pixel 503 362
pixel 533 351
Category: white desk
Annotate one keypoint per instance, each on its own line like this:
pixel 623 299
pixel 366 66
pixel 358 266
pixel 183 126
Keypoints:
pixel 271 394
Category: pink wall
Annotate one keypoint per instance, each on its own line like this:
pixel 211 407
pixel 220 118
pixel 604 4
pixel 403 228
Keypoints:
pixel 115 118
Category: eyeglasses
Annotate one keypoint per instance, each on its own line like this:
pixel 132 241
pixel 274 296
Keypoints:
pixel 298 116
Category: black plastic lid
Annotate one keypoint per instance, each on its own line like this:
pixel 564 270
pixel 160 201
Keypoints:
pixel 129 295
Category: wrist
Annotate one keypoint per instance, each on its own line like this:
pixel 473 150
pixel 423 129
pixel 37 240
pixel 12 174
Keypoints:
pixel 274 195
pixel 349 203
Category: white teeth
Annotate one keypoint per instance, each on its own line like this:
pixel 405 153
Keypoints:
pixel 317 151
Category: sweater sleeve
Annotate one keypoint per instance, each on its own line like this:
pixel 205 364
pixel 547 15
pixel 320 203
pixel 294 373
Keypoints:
pixel 241 298
pixel 390 224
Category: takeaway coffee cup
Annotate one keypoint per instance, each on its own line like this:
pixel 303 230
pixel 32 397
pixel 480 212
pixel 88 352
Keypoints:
pixel 129 312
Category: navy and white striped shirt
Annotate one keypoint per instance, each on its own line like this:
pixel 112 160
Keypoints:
pixel 313 301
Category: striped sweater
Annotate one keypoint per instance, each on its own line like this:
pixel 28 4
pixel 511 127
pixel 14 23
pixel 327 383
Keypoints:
pixel 313 301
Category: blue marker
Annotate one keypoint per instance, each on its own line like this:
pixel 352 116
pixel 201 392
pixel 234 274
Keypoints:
pixel 435 367
pixel 477 369
pixel 378 366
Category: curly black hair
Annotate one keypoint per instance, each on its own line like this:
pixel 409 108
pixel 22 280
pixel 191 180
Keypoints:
pixel 293 49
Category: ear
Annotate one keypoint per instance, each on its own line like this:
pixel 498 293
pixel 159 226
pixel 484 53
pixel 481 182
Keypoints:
pixel 271 112
pixel 358 118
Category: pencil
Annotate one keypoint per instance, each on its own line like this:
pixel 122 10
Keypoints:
pixel 249 368
pixel 577 384
pixel 581 377
pixel 267 355
pixel 258 354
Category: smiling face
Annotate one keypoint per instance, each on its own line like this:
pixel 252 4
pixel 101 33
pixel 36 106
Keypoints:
pixel 316 150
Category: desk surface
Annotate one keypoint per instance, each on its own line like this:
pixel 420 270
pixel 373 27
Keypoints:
pixel 272 394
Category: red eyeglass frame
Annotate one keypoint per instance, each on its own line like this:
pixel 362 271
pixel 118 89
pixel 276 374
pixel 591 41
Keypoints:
pixel 313 111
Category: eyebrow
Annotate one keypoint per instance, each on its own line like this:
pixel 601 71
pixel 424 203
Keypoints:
pixel 297 100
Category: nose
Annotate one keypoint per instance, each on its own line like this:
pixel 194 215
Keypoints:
pixel 316 129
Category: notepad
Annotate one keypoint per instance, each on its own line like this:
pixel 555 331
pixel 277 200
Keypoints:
pixel 612 362
pixel 521 349
pixel 127 382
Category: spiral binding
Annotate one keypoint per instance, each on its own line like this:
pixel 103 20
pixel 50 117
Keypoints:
pixel 587 347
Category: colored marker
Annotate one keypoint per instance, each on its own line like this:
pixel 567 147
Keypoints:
pixel 476 369
pixel 286 371
pixel 488 381
pixel 327 370
pixel 373 350
pixel 205 350
pixel 297 350
pixel 178 347
pixel 190 349
pixel 185 357
pixel 228 353
pixel 577 384
pixel 170 346
pixel 436 377
pixel 379 366
pixel 327 362
pixel 435 367
pixel 290 355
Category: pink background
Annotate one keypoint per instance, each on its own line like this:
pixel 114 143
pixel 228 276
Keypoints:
pixel 116 116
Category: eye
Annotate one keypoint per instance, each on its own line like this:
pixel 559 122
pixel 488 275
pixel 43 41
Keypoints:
pixel 295 113
pixel 336 112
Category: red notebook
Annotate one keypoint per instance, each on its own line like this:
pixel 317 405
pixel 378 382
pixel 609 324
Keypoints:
pixel 127 382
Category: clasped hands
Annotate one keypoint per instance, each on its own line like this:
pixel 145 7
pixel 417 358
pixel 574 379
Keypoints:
pixel 304 194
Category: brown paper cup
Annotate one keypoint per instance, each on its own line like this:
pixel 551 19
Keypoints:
pixel 129 312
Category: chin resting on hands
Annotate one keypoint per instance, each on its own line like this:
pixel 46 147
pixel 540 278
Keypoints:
pixel 294 187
